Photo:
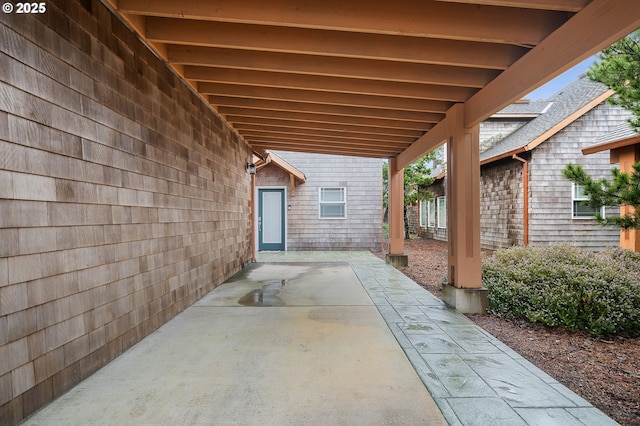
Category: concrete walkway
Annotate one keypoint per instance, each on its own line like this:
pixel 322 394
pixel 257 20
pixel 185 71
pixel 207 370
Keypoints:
pixel 474 378
pixel 300 338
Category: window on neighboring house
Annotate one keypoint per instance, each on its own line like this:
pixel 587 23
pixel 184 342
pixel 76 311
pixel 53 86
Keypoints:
pixel 580 209
pixel 333 203
pixel 423 213
pixel 442 212
pixel 431 207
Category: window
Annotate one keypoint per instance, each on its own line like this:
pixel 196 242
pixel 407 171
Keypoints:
pixel 333 203
pixel 580 208
pixel 423 213
pixel 442 212
pixel 431 213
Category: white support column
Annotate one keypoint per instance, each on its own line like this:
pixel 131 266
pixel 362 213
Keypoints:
pixel 464 290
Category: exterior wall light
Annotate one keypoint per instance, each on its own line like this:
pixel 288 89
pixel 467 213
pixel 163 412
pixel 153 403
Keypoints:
pixel 251 168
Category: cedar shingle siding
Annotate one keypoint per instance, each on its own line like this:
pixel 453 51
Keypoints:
pixel 362 178
pixel 123 199
pixel 550 202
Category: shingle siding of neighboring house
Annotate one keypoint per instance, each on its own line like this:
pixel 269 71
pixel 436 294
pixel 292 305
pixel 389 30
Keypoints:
pixel 501 205
pixel 550 195
pixel 362 178
pixel 550 220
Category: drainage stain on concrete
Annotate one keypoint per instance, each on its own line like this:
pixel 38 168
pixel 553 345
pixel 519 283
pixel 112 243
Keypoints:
pixel 268 295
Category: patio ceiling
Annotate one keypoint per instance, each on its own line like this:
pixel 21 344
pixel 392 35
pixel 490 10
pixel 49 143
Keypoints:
pixel 373 78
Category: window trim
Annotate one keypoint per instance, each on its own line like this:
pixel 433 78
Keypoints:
pixel 321 202
pixel 423 218
pixel 442 218
pixel 575 199
pixel 431 208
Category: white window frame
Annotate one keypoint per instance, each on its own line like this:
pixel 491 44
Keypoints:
pixel 321 202
pixel 576 199
pixel 431 213
pixel 423 213
pixel 442 215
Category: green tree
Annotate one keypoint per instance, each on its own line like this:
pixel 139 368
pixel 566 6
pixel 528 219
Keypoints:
pixel 622 190
pixel 619 70
pixel 417 178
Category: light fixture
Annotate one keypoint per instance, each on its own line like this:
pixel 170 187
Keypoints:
pixel 251 168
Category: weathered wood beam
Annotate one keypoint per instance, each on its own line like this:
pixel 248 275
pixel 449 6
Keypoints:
pixel 275 123
pixel 406 17
pixel 320 97
pixel 561 5
pixel 243 104
pixel 598 25
pixel 435 137
pixel 250 129
pixel 283 136
pixel 329 84
pixel 325 118
pixel 332 43
pixel 330 66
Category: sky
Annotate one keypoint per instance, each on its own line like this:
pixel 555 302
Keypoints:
pixel 561 81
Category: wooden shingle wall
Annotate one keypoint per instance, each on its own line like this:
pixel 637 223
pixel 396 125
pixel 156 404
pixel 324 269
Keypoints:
pixel 123 198
pixel 501 199
pixel 550 219
pixel 361 230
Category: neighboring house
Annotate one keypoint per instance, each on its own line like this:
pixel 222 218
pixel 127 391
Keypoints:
pixel 524 197
pixel 318 202
pixel 623 144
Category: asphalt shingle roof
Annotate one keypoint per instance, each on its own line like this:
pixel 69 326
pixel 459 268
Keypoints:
pixel 563 104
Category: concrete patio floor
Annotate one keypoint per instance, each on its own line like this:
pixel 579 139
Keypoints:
pixel 307 338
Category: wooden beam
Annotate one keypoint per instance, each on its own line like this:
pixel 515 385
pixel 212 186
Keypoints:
pixel 332 43
pixel 598 25
pixel 240 104
pixel 249 130
pixel 560 5
pixel 285 137
pixel 396 208
pixel 435 137
pixel 325 118
pixel 330 66
pixel 322 149
pixel 421 18
pixel 240 122
pixel 329 84
pixel 303 140
pixel 319 97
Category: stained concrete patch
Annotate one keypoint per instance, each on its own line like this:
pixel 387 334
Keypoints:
pixel 335 362
pixel 290 284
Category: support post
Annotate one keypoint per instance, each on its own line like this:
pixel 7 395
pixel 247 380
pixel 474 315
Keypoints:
pixel 396 256
pixel 627 157
pixel 464 289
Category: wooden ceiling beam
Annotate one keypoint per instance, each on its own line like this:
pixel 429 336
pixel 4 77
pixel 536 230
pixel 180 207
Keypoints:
pixel 240 104
pixel 572 43
pixel 330 66
pixel 560 5
pixel 325 118
pixel 240 122
pixel 287 136
pixel 324 147
pixel 332 43
pixel 319 97
pixel 522 27
pixel 329 84
pixel 253 129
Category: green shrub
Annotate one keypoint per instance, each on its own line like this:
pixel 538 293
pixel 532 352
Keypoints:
pixel 565 286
